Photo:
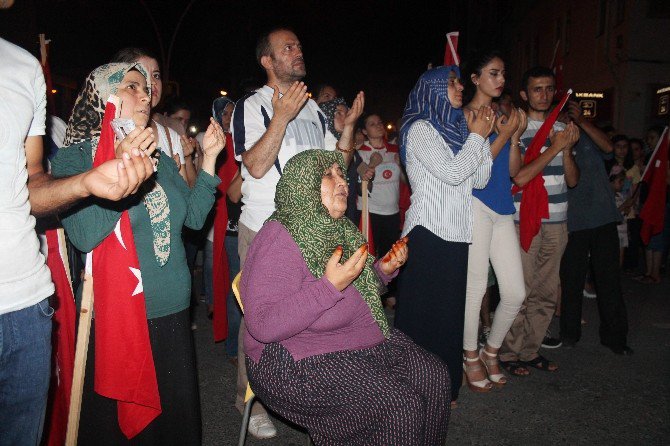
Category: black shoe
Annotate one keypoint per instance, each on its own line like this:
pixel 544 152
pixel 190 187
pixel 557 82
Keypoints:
pixel 567 343
pixel 550 342
pixel 621 350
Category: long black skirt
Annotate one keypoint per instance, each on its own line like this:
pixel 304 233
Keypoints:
pixel 393 394
pixel 431 298
pixel 174 358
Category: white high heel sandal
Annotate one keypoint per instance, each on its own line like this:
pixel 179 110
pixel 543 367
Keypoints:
pixel 481 386
pixel 491 359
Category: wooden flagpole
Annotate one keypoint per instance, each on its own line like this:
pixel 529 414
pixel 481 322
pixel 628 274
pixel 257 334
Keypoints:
pixel 365 216
pixel 81 352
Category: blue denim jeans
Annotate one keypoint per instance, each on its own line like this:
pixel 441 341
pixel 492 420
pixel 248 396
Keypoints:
pixel 25 366
pixel 234 313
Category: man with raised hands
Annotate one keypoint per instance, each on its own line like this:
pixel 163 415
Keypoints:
pixel 271 125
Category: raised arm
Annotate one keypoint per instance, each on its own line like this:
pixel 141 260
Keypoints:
pixel 561 140
pixel 346 141
pixel 113 180
pixel 597 136
pixel 260 157
pixel 439 160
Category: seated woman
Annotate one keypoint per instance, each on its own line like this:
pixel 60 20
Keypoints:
pixel 319 349
pixel 157 214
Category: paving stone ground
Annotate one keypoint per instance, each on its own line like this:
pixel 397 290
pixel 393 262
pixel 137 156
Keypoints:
pixel 596 397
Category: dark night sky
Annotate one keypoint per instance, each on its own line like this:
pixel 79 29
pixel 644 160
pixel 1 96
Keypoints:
pixel 380 47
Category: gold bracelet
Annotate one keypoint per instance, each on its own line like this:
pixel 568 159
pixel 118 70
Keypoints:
pixel 344 150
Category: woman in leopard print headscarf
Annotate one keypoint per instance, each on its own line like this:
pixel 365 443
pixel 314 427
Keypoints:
pixel 158 212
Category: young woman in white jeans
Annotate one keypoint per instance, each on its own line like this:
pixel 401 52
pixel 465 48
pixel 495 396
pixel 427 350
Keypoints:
pixel 494 236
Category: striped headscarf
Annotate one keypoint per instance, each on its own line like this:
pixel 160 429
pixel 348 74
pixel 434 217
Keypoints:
pixel 317 234
pixel 429 101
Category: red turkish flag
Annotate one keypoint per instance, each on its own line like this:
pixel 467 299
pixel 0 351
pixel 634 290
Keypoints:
pixel 534 200
pixel 656 176
pixel 451 51
pixel 220 278
pixel 62 343
pixel 124 364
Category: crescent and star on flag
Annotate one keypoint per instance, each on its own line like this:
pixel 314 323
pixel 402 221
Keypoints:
pixel 139 288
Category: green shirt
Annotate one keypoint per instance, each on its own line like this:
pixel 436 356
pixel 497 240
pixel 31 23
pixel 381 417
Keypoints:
pixel 167 289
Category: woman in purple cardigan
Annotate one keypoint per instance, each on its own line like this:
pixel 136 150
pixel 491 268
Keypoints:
pixel 319 349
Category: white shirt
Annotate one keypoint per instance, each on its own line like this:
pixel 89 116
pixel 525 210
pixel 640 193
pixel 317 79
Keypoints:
pixel 251 119
pixel 442 182
pixel 164 144
pixel 385 195
pixel 24 276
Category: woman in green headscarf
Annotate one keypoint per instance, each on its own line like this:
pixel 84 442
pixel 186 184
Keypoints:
pixel 157 215
pixel 319 348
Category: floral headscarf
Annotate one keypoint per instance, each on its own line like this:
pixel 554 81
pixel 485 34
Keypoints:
pixel 317 234
pixel 428 100
pixel 85 123
pixel 329 108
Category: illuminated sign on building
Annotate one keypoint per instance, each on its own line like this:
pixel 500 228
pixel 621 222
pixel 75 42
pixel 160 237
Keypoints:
pixel 589 108
pixel 663 90
pixel 590 95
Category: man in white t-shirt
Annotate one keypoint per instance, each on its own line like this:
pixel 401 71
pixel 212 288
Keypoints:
pixel 25 281
pixel 271 125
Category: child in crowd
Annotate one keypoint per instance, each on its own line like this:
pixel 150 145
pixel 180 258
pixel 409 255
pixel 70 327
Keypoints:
pixel 617 179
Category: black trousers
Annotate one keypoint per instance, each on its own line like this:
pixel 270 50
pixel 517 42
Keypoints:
pixel 174 358
pixel 431 298
pixel 603 244
pixel 385 232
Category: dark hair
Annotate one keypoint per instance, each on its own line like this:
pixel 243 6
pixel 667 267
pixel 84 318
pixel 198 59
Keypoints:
pixel 320 87
pixel 263 47
pixel 364 118
pixel 628 159
pixel 636 141
pixel 173 105
pixel 617 138
pixel 474 65
pixel 535 72
pixel 132 54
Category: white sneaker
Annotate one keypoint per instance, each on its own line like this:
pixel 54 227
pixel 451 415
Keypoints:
pixel 588 294
pixel 261 427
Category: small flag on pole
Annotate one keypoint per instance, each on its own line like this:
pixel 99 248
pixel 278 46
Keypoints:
pixel 451 51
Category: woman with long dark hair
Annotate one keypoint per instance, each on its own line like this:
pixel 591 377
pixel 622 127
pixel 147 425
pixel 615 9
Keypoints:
pixel 494 236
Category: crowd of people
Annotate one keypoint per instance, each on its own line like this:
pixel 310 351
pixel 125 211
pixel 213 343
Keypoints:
pixel 279 182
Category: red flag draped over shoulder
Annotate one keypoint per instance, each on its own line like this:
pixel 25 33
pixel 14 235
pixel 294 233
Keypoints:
pixel 656 176
pixel 124 364
pixel 220 277
pixel 534 200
